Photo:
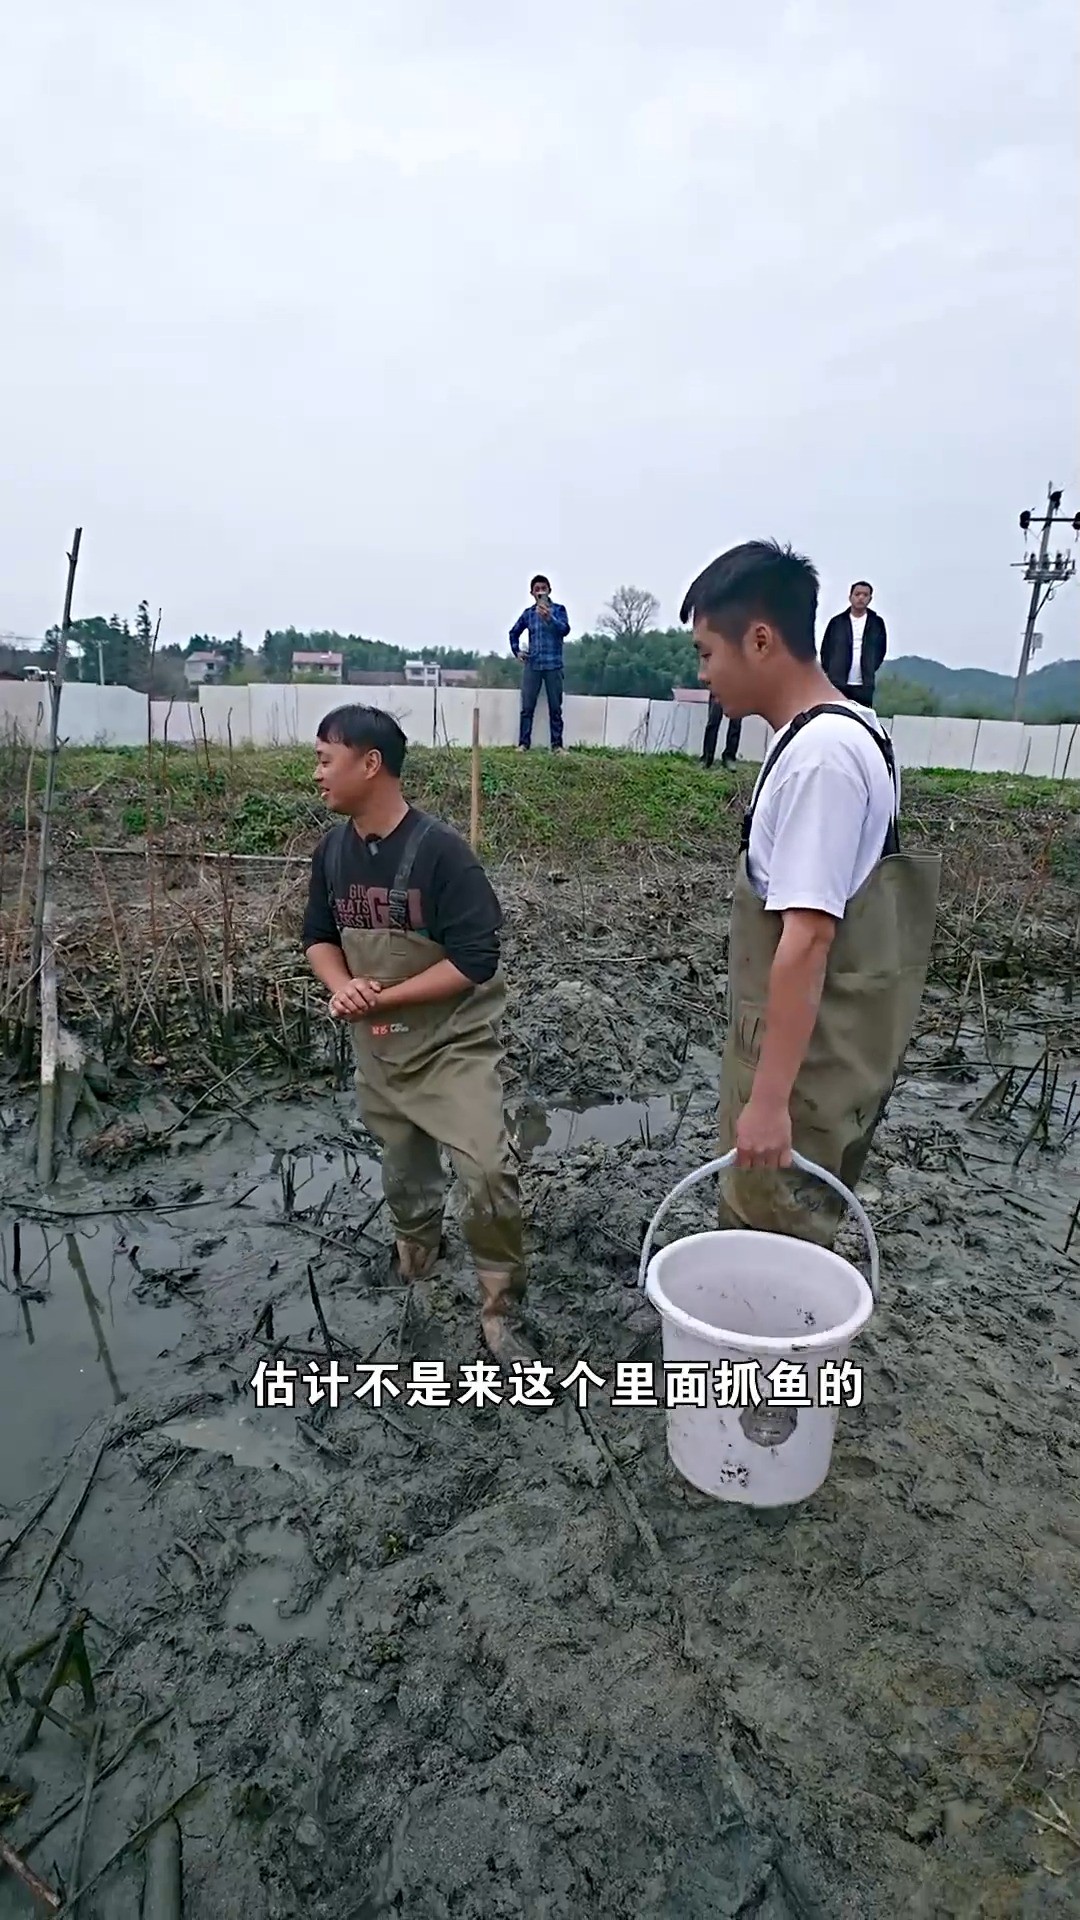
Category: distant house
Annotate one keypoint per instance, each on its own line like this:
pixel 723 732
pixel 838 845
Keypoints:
pixel 320 666
pixel 460 677
pixel 422 673
pixel 204 669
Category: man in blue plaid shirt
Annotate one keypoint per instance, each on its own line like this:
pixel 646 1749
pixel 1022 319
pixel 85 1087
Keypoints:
pixel 543 627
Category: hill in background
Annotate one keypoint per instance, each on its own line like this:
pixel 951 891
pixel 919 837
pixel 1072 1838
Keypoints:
pixel 1051 694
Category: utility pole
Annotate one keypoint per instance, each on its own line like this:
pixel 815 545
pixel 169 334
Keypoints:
pixel 1044 573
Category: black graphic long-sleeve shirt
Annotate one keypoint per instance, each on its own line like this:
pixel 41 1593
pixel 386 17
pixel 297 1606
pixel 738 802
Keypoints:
pixel 451 899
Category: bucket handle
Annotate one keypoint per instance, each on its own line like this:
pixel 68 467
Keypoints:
pixel 805 1166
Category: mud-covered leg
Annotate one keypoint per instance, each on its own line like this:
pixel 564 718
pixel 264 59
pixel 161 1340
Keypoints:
pixel 491 1221
pixel 466 1110
pixel 414 1183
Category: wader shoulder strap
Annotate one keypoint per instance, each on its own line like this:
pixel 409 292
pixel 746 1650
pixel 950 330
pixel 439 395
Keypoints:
pixel 399 892
pixel 881 740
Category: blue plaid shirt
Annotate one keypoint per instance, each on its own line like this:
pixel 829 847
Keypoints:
pixel 545 637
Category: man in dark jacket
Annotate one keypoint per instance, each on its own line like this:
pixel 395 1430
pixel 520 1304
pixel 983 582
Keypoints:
pixel 853 646
pixel 712 735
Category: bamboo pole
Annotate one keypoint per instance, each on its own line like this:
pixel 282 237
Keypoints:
pixel 56 681
pixel 474 797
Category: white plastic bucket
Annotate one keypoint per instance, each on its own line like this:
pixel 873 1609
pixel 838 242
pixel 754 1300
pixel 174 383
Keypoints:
pixel 732 1298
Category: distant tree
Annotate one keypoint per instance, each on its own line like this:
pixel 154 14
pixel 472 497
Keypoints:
pixel 276 653
pixel 647 666
pixel 499 670
pixel 167 678
pixel 895 695
pixel 629 613
pixel 234 653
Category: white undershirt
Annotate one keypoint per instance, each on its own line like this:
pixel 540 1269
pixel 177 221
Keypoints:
pixel 858 628
pixel 821 821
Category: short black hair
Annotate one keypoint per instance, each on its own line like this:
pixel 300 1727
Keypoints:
pixel 539 580
pixel 366 729
pixel 859 583
pixel 760 580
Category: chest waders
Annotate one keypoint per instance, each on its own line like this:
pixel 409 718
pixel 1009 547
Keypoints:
pixel 874 982
pixel 429 1076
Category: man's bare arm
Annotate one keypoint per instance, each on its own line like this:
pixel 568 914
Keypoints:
pixel 796 980
pixel 329 965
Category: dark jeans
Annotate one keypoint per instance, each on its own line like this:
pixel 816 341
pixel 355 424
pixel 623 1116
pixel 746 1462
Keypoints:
pixel 712 734
pixel 863 696
pixel 532 679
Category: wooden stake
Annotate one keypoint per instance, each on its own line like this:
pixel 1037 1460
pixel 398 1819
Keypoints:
pixel 56 681
pixel 474 806
pixel 50 1051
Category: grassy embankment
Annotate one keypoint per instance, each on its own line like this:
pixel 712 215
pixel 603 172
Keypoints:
pixel 584 804
pixel 165 961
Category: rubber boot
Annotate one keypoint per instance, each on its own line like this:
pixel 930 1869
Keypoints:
pixel 500 1296
pixel 417 1262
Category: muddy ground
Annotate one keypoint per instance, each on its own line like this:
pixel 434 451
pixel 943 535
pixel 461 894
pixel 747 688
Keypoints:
pixel 464 1664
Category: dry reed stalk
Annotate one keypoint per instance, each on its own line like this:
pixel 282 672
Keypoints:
pixel 149 833
pixel 56 682
pixel 474 781
pixel 111 911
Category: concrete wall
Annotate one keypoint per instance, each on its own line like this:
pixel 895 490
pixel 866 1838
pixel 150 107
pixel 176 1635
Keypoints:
pixel 89 715
pixel 284 716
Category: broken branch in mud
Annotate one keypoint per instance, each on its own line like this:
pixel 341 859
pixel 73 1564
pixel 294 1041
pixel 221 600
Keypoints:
pixel 72 1653
pixel 162 1894
pixel 264 1323
pixel 315 1439
pixel 1061 1824
pixel 399 1342
pixel 319 1314
pixel 69 1805
pixel 31 1881
pixel 61 1538
pixel 1032 1745
pixel 622 1486
pixel 16 1661
pixel 13 1545
pixel 135 1840
pixel 84 1810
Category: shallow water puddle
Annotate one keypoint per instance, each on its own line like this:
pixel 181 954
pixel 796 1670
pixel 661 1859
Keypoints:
pixel 85 1319
pixel 556 1128
pixel 262 1591
pixel 248 1439
pixel 290 1180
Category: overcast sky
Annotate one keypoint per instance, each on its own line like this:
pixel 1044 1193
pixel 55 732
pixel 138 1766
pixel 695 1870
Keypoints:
pixel 354 315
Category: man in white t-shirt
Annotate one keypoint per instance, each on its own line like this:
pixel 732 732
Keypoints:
pixel 831 926
pixel 853 646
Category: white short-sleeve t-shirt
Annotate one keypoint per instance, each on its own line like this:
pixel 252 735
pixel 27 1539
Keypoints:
pixel 822 816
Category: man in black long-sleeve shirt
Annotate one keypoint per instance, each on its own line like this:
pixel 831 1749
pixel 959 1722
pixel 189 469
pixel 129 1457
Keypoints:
pixel 402 927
